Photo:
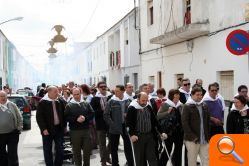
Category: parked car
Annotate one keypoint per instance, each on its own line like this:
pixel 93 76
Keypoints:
pixel 28 93
pixel 24 107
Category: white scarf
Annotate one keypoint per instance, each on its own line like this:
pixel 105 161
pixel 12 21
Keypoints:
pixel 183 91
pixel 191 101
pixel 135 104
pixel 118 99
pixel 172 104
pixel 243 111
pixel 4 106
pixel 98 94
pixel 129 96
pixel 76 102
pixel 207 97
pixel 46 97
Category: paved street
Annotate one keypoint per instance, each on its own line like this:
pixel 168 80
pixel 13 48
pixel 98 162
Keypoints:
pixel 31 154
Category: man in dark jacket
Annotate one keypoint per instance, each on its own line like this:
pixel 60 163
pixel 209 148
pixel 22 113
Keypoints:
pixel 50 119
pixel 142 124
pixel 79 113
pixel 114 116
pixel 195 122
pixel 98 104
pixel 185 90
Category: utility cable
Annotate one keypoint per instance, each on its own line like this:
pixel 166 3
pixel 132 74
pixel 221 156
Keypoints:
pixel 90 19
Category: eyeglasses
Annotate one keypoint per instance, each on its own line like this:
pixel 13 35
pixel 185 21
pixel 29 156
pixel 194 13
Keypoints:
pixel 214 90
pixel 102 87
pixel 188 84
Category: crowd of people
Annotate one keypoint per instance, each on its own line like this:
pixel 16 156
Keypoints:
pixel 149 121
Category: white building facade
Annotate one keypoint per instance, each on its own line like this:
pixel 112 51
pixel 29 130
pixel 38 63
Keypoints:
pixel 114 56
pixel 187 38
pixel 15 70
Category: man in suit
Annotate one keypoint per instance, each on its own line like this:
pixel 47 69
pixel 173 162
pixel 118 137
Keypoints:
pixel 50 119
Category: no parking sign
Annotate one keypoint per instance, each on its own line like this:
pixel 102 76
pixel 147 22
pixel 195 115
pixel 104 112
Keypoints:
pixel 237 42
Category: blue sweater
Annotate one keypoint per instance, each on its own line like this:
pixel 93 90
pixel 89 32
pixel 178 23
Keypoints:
pixel 216 109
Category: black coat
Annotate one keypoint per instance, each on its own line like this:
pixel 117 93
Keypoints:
pixel 183 98
pixel 131 121
pixel 235 123
pixel 45 115
pixel 99 119
pixel 74 110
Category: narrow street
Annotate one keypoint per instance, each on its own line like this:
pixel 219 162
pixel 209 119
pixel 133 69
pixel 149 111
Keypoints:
pixel 31 154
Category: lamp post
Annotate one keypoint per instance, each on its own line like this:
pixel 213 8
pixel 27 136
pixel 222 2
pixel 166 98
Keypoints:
pixel 13 19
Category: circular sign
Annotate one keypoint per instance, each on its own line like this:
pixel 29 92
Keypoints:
pixel 237 42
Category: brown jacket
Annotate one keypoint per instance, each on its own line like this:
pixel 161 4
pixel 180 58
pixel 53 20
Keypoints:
pixel 191 122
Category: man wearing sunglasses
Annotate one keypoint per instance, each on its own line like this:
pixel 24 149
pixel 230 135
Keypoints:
pixel 185 90
pixel 215 108
pixel 98 104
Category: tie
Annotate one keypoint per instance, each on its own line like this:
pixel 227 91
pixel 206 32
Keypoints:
pixel 56 119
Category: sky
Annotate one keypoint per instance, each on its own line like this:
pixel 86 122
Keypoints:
pixel 83 20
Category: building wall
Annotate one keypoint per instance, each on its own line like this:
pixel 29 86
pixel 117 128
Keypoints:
pixel 209 54
pixel 115 39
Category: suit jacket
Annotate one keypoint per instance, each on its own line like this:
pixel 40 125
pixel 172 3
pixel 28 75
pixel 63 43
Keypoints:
pixel 45 115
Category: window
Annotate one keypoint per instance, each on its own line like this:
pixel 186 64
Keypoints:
pixel 111 59
pixel 187 12
pixel 135 78
pixel 226 84
pixel 117 58
pixel 152 79
pixel 150 14
pixel 126 79
pixel 159 76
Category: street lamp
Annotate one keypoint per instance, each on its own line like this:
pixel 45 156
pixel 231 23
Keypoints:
pixel 13 19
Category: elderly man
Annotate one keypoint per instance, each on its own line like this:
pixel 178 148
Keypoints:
pixel 79 113
pixel 199 82
pixel 142 124
pixel 50 119
pixel 129 94
pixel 10 126
pixel 114 116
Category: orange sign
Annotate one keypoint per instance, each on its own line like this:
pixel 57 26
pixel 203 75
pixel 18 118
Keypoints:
pixel 229 150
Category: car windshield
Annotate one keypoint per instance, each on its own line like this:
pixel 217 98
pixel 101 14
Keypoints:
pixel 25 93
pixel 18 101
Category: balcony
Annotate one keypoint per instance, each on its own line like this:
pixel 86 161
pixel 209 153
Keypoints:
pixel 183 33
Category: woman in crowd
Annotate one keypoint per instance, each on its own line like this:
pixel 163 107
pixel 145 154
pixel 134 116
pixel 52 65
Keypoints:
pixel 87 96
pixel 169 116
pixel 161 97
pixel 66 95
pixel 238 118
pixel 86 93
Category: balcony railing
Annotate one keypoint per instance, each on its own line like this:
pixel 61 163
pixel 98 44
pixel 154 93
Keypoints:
pixel 183 33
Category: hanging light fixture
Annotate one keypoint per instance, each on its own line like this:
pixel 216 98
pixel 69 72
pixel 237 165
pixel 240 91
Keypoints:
pixel 51 50
pixel 59 38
